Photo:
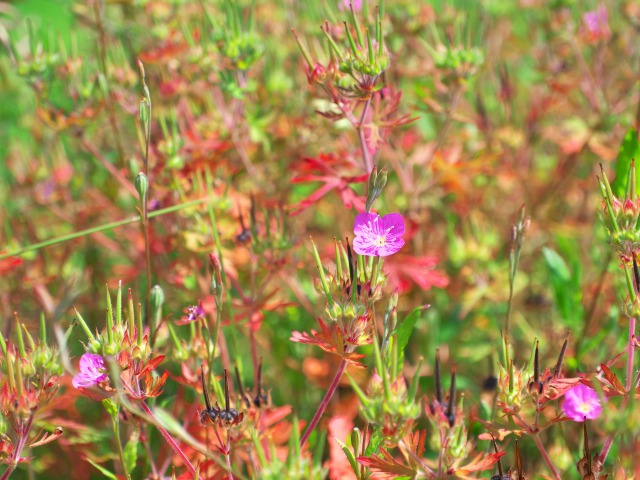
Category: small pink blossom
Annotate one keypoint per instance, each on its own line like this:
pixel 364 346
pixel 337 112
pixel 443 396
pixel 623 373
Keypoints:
pixel 92 371
pixel 581 402
pixel 192 314
pixel 596 24
pixel 347 4
pixel 378 236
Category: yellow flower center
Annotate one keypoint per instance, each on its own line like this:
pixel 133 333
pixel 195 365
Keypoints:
pixel 381 241
pixel 584 407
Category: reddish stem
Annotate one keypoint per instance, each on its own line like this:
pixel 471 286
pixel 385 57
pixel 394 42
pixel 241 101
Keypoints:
pixel 325 402
pixel 172 443
pixel 608 442
pixel 546 457
pixel 606 446
pixel 22 441
pixel 228 456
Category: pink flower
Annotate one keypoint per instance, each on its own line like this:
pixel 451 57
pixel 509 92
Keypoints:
pixel 192 314
pixel 581 402
pixel 596 24
pixel 376 236
pixel 347 4
pixel 596 20
pixel 92 371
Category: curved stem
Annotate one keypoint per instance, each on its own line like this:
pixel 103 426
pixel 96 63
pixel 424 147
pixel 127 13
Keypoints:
pixel 324 403
pixel 172 443
pixel 546 457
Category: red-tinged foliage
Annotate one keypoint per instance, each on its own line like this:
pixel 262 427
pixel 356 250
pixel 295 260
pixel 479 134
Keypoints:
pixel 9 263
pixel 610 384
pixel 335 173
pixel 46 437
pixel 251 309
pixel 338 339
pixel 482 462
pixel 384 466
pixel 404 271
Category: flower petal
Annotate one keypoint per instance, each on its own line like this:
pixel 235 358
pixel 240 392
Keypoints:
pixel 363 222
pixel 395 222
pixel 365 246
pixel 390 248
pixel 90 361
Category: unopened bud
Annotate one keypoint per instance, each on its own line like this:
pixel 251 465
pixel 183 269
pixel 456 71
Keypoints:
pixel 157 297
pixel 216 275
pixel 142 185
pixel 356 439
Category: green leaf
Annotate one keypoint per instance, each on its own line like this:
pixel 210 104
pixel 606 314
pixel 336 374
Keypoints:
pixel 404 330
pixel 375 442
pixel 629 150
pixel 111 407
pixel 350 456
pixel 566 287
pixel 103 470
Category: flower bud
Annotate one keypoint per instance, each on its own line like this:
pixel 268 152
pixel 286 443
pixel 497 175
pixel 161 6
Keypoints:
pixel 142 185
pixel 157 297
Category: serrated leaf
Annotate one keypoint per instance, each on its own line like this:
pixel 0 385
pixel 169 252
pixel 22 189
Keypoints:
pixel 629 149
pixel 103 470
pixel 375 442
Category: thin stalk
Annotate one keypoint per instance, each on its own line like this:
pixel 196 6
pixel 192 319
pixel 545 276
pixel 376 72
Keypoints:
pixel 366 156
pixel 19 447
pixel 324 403
pixel 101 228
pixel 169 439
pixel 116 434
pixel 228 456
pixel 546 457
pixel 630 353
pixel 223 273
pixel 606 446
pixel 147 256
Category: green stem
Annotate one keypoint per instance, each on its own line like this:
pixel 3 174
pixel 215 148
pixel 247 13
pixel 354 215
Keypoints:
pixel 101 228
pixel 223 274
pixel 116 434
pixel 378 358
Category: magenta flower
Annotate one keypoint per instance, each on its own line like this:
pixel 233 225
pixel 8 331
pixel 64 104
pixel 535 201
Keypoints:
pixel 596 20
pixel 596 24
pixel 192 314
pixel 92 371
pixel 378 236
pixel 346 5
pixel 581 402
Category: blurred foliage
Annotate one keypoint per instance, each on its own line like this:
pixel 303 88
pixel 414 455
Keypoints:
pixel 484 106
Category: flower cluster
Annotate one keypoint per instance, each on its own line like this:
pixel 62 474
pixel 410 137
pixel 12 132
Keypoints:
pixel 29 381
pixel 352 291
